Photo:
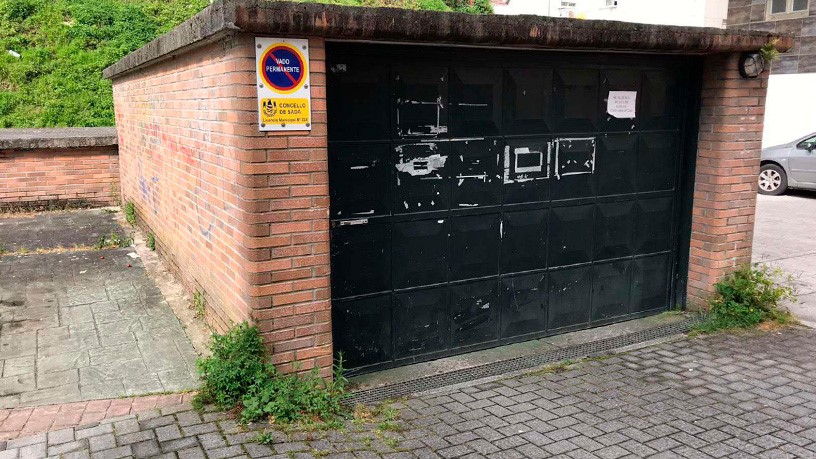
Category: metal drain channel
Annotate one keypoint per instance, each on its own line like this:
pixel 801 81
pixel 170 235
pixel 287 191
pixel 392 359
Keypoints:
pixel 463 375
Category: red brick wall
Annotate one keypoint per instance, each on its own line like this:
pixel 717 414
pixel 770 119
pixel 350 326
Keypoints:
pixel 49 176
pixel 730 141
pixel 242 215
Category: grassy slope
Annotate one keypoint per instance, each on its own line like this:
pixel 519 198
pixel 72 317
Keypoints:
pixel 65 44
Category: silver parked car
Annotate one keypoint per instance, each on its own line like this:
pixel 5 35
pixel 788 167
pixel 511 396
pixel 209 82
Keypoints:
pixel 790 165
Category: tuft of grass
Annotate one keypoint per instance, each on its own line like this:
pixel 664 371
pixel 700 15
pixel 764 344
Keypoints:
pixel 769 52
pixel 390 426
pixel 130 213
pixel 748 297
pixel 151 241
pixel 265 438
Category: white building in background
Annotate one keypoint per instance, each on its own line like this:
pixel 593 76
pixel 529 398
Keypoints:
pixel 700 13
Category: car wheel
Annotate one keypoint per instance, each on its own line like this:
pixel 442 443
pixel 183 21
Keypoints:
pixel 772 180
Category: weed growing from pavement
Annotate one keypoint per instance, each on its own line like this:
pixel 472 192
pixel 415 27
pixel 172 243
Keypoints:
pixel 199 303
pixel 389 422
pixel 748 297
pixel 130 213
pixel 112 241
pixel 151 241
pixel 238 375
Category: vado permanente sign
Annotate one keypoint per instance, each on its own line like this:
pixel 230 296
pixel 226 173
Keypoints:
pixel 284 97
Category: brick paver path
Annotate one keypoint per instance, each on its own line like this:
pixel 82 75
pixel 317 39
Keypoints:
pixel 21 422
pixel 736 396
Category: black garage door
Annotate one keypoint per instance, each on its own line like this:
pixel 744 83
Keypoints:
pixel 481 197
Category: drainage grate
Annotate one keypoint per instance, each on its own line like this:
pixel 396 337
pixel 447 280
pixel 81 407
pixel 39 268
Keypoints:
pixel 578 351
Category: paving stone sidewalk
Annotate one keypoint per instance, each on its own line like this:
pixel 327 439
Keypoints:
pixel 78 325
pixel 84 326
pixel 736 396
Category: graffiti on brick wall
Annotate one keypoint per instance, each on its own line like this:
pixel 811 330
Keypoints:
pixel 205 211
pixel 155 144
pixel 149 189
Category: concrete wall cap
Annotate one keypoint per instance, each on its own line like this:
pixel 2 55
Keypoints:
pixel 269 17
pixel 32 139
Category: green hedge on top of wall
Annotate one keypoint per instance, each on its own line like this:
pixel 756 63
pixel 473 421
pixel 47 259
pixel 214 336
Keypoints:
pixel 52 52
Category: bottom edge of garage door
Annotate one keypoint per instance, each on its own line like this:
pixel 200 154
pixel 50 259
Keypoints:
pixel 494 344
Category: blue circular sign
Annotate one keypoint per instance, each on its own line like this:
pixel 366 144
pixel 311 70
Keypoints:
pixel 283 68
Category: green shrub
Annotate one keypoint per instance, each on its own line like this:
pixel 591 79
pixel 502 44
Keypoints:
pixel 294 398
pixel 747 297
pixel 151 241
pixel 238 372
pixel 130 212
pixel 236 364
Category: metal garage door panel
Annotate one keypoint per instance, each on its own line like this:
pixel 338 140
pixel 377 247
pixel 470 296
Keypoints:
pixel 571 230
pixel 421 100
pixel 362 330
pixel 475 102
pixel 570 297
pixel 503 203
pixel 614 229
pixel 660 107
pixel 573 168
pixel 576 100
pixel 654 225
pixel 360 111
pixel 361 174
pixel 650 283
pixel 524 240
pixel 619 80
pixel 474 246
pixel 615 164
pixel 422 322
pixel 420 253
pixel 476 171
pixel 657 156
pixel 524 305
pixel 422 177
pixel 353 246
pixel 611 289
pixel 475 312
pixel 526 170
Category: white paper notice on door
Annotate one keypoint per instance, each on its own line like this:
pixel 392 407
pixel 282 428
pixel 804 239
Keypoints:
pixel 621 104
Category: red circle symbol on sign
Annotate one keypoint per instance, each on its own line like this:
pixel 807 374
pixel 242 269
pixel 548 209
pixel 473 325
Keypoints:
pixel 283 68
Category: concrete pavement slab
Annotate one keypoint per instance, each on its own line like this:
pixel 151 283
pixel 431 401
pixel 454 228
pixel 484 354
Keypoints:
pixel 83 324
pixel 785 236
pixel 49 230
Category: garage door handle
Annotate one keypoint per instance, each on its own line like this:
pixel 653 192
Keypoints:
pixel 359 221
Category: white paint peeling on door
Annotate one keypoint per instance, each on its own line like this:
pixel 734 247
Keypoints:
pixel 421 166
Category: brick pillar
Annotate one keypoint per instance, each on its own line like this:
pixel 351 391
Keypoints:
pixel 730 141
pixel 288 234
